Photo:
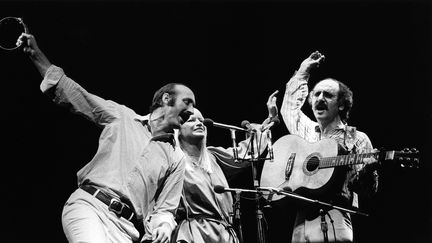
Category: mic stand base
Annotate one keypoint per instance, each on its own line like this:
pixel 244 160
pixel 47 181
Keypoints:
pixel 324 227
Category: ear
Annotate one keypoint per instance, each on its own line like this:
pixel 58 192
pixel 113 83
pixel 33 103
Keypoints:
pixel 166 98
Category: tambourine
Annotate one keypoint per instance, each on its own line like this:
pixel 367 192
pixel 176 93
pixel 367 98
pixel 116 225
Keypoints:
pixel 10 29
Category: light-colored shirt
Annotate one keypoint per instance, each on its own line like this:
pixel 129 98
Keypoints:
pixel 207 212
pixel 307 226
pixel 300 124
pixel 128 164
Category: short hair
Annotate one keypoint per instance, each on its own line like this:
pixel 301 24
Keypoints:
pixel 345 99
pixel 157 97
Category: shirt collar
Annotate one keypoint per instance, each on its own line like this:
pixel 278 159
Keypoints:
pixel 168 138
pixel 339 126
pixel 144 120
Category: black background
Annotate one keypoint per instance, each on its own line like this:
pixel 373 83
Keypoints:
pixel 233 54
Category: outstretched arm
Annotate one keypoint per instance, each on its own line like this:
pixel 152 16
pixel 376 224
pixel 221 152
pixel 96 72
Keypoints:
pixel 65 91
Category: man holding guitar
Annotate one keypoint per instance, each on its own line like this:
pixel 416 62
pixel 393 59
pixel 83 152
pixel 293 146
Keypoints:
pixel 331 102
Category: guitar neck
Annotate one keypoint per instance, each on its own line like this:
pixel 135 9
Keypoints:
pixel 352 159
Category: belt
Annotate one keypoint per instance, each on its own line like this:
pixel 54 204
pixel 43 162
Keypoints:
pixel 116 206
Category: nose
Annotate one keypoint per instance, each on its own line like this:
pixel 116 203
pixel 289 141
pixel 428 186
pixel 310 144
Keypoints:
pixel 200 124
pixel 190 108
pixel 320 98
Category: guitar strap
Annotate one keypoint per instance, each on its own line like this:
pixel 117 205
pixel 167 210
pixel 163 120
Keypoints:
pixel 350 139
pixel 350 143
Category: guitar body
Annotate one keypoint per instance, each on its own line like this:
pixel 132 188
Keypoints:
pixel 295 167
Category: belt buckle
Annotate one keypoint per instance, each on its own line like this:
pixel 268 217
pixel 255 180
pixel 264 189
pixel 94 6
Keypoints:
pixel 116 206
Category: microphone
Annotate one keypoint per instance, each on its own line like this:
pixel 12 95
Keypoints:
pixel 246 124
pixel 270 145
pixel 274 122
pixel 221 189
pixel 210 122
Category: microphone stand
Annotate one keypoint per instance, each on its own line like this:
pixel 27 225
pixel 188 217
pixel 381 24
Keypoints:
pixel 234 144
pixel 323 205
pixel 324 208
pixel 237 220
pixel 324 226
pixel 261 237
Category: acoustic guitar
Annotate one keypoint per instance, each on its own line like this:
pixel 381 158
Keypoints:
pixel 310 168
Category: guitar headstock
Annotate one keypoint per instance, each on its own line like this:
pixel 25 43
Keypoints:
pixel 408 158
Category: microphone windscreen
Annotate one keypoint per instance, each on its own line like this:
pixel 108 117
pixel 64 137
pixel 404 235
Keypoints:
pixel 245 124
pixel 219 189
pixel 208 122
pixel 275 120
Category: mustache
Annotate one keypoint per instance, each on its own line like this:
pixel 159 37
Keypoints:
pixel 321 105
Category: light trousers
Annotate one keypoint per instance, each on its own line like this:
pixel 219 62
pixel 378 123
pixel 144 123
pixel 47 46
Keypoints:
pixel 309 229
pixel 85 219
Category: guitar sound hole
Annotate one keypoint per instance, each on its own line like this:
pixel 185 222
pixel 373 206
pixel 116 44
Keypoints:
pixel 312 163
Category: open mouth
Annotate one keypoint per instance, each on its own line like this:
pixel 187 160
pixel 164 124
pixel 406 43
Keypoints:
pixel 321 106
pixel 185 116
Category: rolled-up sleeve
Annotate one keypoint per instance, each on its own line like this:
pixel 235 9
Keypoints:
pixel 295 96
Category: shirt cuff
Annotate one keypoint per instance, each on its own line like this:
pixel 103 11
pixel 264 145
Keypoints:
pixel 52 77
pixel 302 75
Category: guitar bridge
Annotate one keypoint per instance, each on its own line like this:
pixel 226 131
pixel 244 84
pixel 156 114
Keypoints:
pixel 289 166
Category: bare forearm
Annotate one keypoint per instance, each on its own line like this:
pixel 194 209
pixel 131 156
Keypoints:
pixel 40 61
pixel 36 55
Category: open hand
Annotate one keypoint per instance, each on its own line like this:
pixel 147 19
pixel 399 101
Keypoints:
pixel 271 105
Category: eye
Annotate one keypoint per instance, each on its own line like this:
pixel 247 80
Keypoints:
pixel 188 101
pixel 191 119
pixel 328 95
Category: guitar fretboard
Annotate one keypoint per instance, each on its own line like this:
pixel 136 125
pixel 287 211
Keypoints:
pixel 351 159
